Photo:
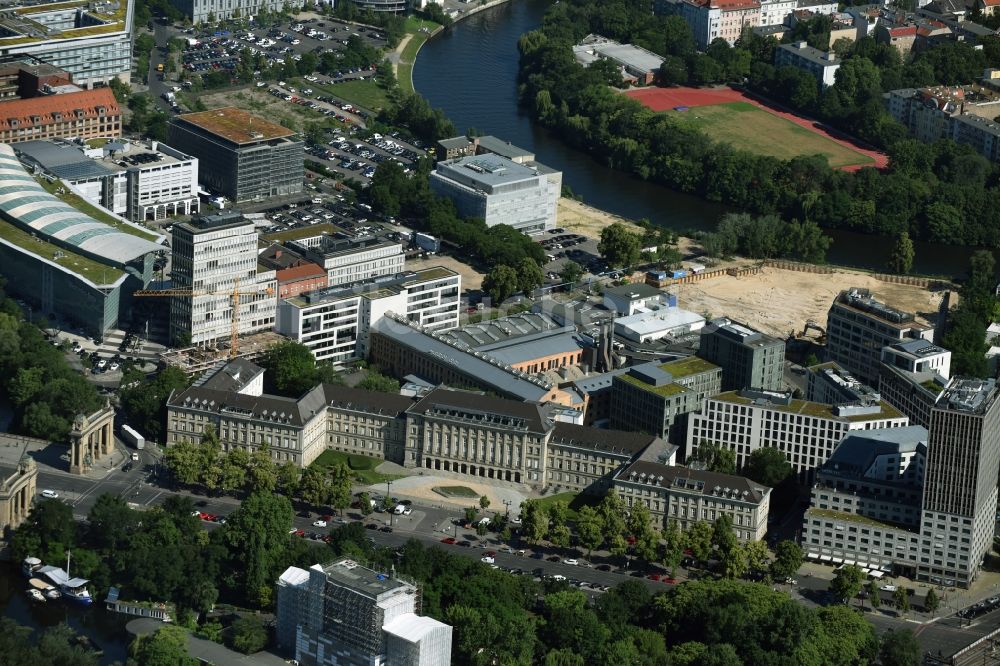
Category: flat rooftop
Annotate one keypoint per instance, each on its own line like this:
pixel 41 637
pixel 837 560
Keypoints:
pixel 206 223
pixel 808 408
pixel 37 23
pixel 68 161
pixel 486 169
pixel 236 125
pixel 862 300
pixel 301 233
pixel 362 580
pixel 381 287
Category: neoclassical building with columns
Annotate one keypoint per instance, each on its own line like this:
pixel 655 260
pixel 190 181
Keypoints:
pixel 91 438
pixel 18 482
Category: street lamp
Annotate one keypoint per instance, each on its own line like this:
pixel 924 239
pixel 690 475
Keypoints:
pixel 507 504
pixel 388 497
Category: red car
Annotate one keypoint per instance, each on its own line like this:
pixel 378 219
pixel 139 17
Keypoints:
pixel 654 576
pixel 448 540
pixel 298 533
pixel 668 580
pixel 202 515
pixel 490 553
pixel 328 519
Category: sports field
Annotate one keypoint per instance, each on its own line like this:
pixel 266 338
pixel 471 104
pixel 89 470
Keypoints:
pixel 728 116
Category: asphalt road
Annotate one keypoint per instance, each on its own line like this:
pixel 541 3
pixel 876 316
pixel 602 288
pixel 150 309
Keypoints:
pixel 430 525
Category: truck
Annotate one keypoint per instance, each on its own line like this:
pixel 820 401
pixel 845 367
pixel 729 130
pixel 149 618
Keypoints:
pixel 427 242
pixel 169 96
pixel 130 435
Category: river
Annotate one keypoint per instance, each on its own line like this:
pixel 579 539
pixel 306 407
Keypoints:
pixel 470 71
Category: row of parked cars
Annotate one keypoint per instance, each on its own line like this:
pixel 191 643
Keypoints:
pixel 982 608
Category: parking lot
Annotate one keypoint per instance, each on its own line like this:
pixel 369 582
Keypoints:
pixel 355 157
pixel 562 246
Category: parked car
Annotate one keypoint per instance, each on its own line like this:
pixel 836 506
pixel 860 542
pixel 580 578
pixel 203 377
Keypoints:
pixel 50 494
pixel 319 523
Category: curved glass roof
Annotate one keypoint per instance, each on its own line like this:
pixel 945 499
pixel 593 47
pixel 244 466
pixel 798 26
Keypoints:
pixel 24 201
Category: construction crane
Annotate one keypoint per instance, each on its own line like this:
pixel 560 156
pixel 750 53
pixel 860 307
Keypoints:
pixel 234 294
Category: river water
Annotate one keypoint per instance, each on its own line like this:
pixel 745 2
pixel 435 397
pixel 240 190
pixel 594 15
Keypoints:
pixel 470 71
pixel 106 630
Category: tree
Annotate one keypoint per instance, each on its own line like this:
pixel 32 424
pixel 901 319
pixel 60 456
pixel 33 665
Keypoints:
pixel 757 555
pixel 723 537
pixel 874 594
pixel 365 501
pixel 314 486
pixel 619 246
pixel 901 257
pixel 291 369
pixel 588 529
pixel 249 635
pixel 900 648
pixel 673 548
pixel 470 514
pixel 571 272
pixel 787 560
pixel 484 502
pixel 234 469
pixel 734 562
pixel 847 582
pixel 698 539
pixel 768 466
pixel 376 381
pixel 716 457
pixel 612 518
pixel 257 533
pixel 534 521
pixel 529 276
pixel 901 598
pixel 166 647
pixel 931 601
pixel 500 283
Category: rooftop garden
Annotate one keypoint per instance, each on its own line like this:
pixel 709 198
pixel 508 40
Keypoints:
pixel 87 208
pixel 684 367
pixel 86 267
pixel 852 517
pixel 666 390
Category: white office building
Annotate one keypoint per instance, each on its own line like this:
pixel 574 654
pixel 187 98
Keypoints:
pixel 214 256
pixel 90 40
pixel 495 189
pixel 351 260
pixel 140 182
pixel 806 432
pixel 334 323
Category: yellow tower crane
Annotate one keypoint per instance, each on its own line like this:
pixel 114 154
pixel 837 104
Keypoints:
pixel 234 294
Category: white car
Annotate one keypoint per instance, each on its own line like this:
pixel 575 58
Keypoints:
pixel 558 577
pixel 572 561
pixel 319 523
pixel 51 494
pixel 487 560
pixel 261 84
pixel 407 511
pixel 102 364
pixel 888 588
pixel 114 366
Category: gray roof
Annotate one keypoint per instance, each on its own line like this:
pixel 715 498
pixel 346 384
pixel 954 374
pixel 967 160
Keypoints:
pixel 597 439
pixel 503 148
pixel 62 160
pixel 743 333
pixel 633 291
pixel 273 408
pixel 229 375
pixel 26 203
pixel 346 397
pixel 801 50
pixel 485 334
pixel 443 400
pixel 599 382
pixel 487 170
pixel 858 450
pixel 362 580
pixel 458 142
pixel 477 368
pixel 728 486
pixel 919 348
pixel 536 345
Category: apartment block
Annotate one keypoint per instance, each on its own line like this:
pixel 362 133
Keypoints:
pixel 965 114
pixel 806 432
pixel 334 323
pixel 656 398
pixel 822 65
pixel 243 157
pixel 748 358
pixel 86 114
pixel 859 326
pixel 139 181
pixel 495 189
pixel 686 496
pixel 714 19
pixel 92 41
pixel 207 11
pixel 344 614
pixel 774 12
pixel 214 256
pixel 348 260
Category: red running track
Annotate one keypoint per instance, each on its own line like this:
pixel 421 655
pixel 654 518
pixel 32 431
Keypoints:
pixel 663 99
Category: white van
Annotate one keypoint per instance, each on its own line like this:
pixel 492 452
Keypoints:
pixel 400 508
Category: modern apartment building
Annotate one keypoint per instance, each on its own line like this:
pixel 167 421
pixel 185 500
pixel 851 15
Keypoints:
pixel 495 189
pixel 334 323
pixel 141 182
pixel 349 260
pixel 912 376
pixel 823 65
pixel 214 256
pixel 90 40
pixel 242 157
pixel 657 398
pixel 687 496
pixel 806 432
pixel 748 358
pixel 830 384
pixel 859 326
pixel 208 11
pixel 865 504
pixel 960 483
pixel 344 614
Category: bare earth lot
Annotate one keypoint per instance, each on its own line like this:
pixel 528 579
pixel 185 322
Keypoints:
pixel 471 280
pixel 585 220
pixel 778 301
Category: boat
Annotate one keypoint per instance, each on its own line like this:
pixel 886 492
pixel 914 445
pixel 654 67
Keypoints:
pixel 44 588
pixel 74 589
pixel 30 566
pixel 36 595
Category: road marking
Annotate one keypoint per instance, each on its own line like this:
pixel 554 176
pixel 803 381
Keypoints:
pixel 150 500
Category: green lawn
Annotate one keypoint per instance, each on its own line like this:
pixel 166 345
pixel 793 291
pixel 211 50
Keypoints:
pixel 456 491
pixel 368 93
pixel 363 467
pixel 750 128
pixel 574 500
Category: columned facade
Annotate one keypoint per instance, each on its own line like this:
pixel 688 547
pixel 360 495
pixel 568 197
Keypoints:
pixel 91 439
pixel 17 490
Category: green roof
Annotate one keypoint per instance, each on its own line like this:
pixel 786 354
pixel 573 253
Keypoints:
pixel 665 390
pixel 86 267
pixel 817 409
pixel 685 367
pixel 432 273
pixel 87 208
pixel 854 518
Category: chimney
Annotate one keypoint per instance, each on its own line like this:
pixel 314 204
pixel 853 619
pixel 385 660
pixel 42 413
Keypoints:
pixel 277 254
